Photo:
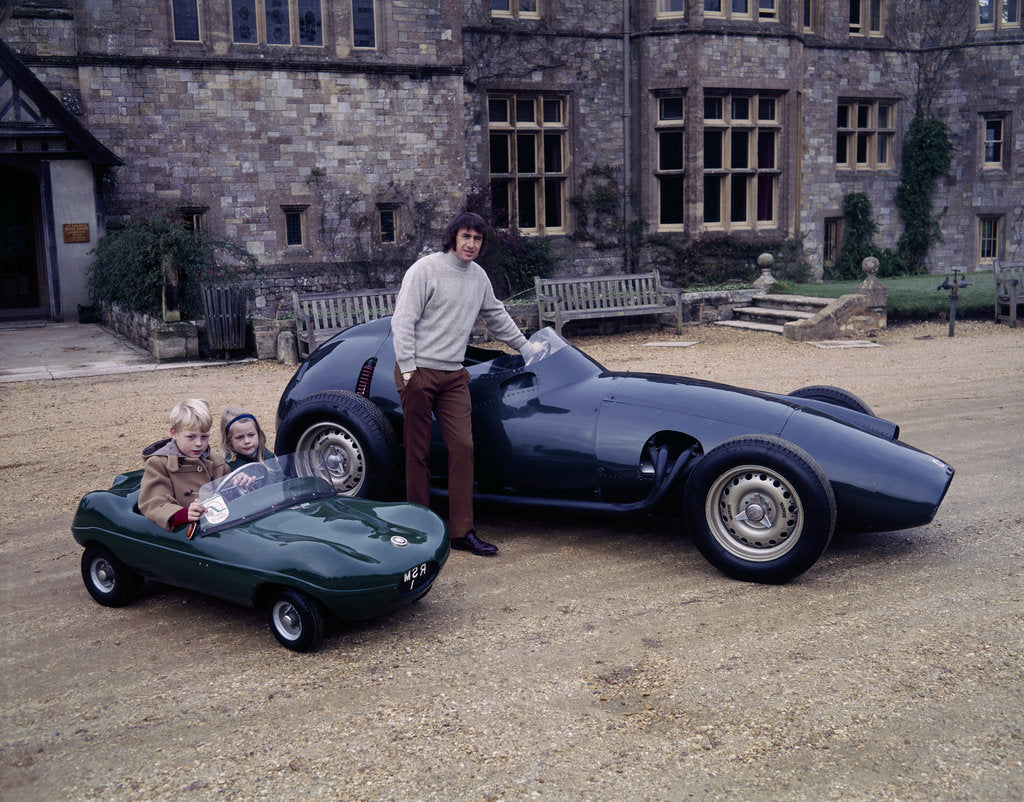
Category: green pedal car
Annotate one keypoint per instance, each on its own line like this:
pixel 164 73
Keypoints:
pixel 276 536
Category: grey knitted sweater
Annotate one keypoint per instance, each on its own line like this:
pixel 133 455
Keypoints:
pixel 439 301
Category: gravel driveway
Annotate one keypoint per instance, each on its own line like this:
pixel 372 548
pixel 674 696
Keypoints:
pixel 593 659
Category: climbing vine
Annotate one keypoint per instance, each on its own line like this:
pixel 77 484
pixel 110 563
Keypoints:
pixel 858 232
pixel 598 207
pixel 927 151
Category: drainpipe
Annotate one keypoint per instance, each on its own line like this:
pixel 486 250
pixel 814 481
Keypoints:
pixel 627 137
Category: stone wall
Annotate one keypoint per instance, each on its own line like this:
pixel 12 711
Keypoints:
pixel 238 131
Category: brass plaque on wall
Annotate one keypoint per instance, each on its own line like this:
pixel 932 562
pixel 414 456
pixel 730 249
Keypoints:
pixel 76 232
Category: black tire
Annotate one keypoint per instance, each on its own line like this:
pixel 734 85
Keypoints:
pixel 296 620
pixel 833 395
pixel 734 497
pixel 108 580
pixel 347 440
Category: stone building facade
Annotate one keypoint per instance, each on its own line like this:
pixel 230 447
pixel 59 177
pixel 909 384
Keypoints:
pixel 334 138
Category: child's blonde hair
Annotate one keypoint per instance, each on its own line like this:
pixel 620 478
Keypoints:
pixel 231 416
pixel 191 415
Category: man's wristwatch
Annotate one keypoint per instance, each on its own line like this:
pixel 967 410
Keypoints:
pixel 407 375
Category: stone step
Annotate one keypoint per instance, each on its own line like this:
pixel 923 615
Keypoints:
pixel 772 313
pixel 750 325
pixel 804 303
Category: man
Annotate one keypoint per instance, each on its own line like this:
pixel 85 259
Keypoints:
pixel 440 299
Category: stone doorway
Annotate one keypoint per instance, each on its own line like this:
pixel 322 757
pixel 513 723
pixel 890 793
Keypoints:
pixel 23 284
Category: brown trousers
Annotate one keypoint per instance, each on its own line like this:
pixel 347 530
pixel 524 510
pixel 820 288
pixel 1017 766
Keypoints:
pixel 442 394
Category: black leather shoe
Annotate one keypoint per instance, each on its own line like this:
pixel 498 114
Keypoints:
pixel 474 544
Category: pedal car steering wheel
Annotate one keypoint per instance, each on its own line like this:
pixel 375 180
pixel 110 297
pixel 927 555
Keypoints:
pixel 242 480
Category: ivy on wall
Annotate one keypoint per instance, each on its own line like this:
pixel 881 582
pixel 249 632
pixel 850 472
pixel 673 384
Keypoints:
pixel 348 230
pixel 859 229
pixel 927 151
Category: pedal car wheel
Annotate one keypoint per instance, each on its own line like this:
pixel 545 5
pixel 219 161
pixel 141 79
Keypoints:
pixel 108 580
pixel 296 620
pixel 760 509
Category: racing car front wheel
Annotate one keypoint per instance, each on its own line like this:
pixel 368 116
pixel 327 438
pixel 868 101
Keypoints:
pixel 296 620
pixel 760 509
pixel 345 439
pixel 108 580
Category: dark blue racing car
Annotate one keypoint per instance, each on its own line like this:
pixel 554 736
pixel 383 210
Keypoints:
pixel 760 480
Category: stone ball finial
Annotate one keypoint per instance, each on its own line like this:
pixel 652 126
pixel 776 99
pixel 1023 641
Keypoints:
pixel 766 279
pixel 869 266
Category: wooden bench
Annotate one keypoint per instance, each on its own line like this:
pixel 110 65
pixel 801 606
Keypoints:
pixel 1009 280
pixel 321 315
pixel 560 300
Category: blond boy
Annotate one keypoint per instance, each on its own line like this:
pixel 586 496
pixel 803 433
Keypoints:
pixel 177 467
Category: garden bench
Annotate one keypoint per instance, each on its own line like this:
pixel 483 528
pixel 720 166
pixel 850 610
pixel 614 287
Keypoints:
pixel 321 315
pixel 1009 280
pixel 560 300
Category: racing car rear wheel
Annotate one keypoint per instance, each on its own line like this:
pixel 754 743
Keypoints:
pixel 345 439
pixel 760 509
pixel 296 620
pixel 108 580
pixel 833 395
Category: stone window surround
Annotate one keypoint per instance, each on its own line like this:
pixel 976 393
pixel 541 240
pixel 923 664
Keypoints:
pixel 294 27
pixel 667 9
pixel 867 18
pixel 810 16
pixel 193 216
pixel 742 9
pixel 1001 162
pixel 872 132
pixel 990 234
pixel 183 12
pixel 669 172
pixel 516 9
pixel 832 241
pixel 387 222
pixel 999 9
pixel 546 182
pixel 294 222
pixel 758 183
pixel 365 38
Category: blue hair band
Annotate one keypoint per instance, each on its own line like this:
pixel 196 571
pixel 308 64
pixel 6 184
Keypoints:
pixel 236 420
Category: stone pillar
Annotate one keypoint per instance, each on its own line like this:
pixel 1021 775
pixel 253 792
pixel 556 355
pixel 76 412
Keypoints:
pixel 876 294
pixel 171 341
pixel 766 279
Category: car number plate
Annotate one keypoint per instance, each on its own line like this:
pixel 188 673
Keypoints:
pixel 416 577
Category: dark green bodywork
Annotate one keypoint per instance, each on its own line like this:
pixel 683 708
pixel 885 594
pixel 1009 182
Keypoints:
pixel 358 558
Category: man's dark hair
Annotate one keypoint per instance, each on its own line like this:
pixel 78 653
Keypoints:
pixel 470 220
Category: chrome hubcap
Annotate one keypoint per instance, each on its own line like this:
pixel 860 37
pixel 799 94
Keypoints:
pixel 754 513
pixel 334 455
pixel 102 575
pixel 287 620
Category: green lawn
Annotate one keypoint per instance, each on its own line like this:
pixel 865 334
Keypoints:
pixel 917 297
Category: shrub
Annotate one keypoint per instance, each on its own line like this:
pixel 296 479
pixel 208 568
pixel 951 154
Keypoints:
pixel 512 261
pixel 715 259
pixel 127 267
